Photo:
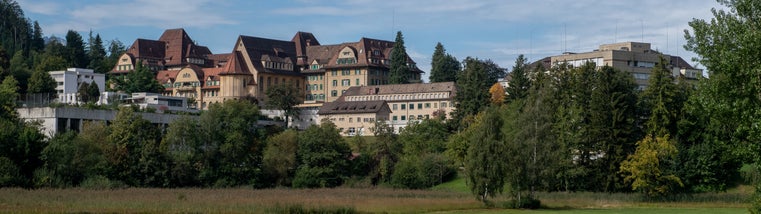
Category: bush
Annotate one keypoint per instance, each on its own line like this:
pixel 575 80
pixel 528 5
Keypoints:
pixel 523 203
pixel 424 172
pixel 9 173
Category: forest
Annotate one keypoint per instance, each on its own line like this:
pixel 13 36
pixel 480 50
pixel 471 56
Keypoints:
pixel 564 128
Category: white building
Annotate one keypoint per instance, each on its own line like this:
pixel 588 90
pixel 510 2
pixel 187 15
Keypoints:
pixel 68 82
pixel 160 102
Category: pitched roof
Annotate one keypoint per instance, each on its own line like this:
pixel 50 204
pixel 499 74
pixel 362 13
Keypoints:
pixel 402 89
pixel 366 50
pixel 145 48
pixel 234 65
pixel 354 107
pixel 680 63
pixel 179 47
pixel 259 49
pixel 164 75
pixel 302 40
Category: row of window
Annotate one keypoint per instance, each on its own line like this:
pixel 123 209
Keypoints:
pixel 334 93
pixel 277 65
pixel 419 106
pixel 346 82
pixel 311 97
pixel 313 87
pixel 342 61
pixel 359 119
pixel 412 117
pixel 346 72
pixel 211 93
pixel 314 77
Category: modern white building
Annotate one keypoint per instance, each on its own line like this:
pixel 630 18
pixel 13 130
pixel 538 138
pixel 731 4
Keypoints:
pixel 69 80
pixel 159 102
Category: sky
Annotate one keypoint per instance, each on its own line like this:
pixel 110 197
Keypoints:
pixel 499 30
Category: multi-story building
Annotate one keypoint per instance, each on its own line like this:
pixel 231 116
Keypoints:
pixel 255 64
pixel 406 102
pixel 69 80
pixel 633 57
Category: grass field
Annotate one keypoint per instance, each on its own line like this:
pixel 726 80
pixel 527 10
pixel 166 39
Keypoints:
pixel 450 197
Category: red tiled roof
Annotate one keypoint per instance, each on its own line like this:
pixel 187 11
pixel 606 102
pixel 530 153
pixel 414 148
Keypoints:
pixel 179 46
pixel 302 40
pixel 164 75
pixel 234 65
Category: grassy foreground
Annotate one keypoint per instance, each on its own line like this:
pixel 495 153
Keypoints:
pixel 376 200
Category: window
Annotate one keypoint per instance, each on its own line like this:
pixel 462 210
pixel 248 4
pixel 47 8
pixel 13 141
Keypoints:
pixel 412 106
pixel 394 107
pixel 403 117
pixel 350 120
pixel 320 86
pixel 345 82
pixel 427 105
pixel 335 82
pixel 333 73
pixel 420 106
pixel 357 82
pixel 403 107
pixel 341 119
pixel 435 105
pixel 394 118
pixel 419 117
pixel 333 93
pixel 443 104
pixel 345 72
pixel 357 72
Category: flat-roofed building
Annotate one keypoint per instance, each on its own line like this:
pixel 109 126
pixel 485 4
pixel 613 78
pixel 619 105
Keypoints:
pixel 355 117
pixel 68 82
pixel 636 58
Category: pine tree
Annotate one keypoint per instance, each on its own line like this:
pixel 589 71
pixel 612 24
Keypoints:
pixel 519 83
pixel 38 43
pixel 444 67
pixel 75 48
pixel 97 54
pixel 399 70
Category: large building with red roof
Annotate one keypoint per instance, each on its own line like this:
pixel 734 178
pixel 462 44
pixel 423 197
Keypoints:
pixel 322 72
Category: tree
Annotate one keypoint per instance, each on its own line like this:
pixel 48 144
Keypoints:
pixel 444 67
pixel 19 69
pixel 385 152
pixel 75 49
pixel 68 160
pixel 97 54
pixel 233 144
pixel 399 68
pixel 8 96
pixel 41 82
pixel 4 62
pixel 183 146
pixel 473 86
pixel 280 157
pixel 37 43
pixel 323 157
pixel 644 167
pixel 519 83
pixel 135 158
pixel 485 165
pixel 141 79
pixel 497 93
pixel 93 91
pixel 284 97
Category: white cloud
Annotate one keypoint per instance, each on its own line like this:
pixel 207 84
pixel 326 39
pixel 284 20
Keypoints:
pixel 161 14
pixel 44 8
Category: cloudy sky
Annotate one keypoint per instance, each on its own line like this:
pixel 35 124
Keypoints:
pixel 488 29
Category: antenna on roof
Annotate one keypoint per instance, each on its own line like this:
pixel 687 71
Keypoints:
pixel 530 45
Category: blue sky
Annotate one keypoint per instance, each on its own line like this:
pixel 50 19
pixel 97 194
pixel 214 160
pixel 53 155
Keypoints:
pixel 488 29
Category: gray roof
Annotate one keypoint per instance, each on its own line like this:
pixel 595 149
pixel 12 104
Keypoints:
pixel 401 89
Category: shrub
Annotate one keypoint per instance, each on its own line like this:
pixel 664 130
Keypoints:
pixel 299 209
pixel 100 182
pixel 523 203
pixel 9 173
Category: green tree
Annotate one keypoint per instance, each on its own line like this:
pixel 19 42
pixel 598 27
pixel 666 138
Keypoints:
pixel 68 160
pixel 323 157
pixel 399 70
pixel 385 151
pixel 141 79
pixel 4 62
pixel 8 96
pixel 426 136
pixel 96 52
pixel 485 164
pixel 136 159
pixel 37 42
pixel 644 167
pixel 473 87
pixel 519 83
pixel 280 157
pixel 75 50
pixel 20 70
pixel 284 97
pixel 41 82
pixel 233 142
pixel 444 67
pixel 183 146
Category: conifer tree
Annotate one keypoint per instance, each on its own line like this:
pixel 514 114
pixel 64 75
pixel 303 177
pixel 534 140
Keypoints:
pixel 444 67
pixel 519 83
pixel 399 70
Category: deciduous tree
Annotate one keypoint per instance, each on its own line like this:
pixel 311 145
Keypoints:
pixel 284 97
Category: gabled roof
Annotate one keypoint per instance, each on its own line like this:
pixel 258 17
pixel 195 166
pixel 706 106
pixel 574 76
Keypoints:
pixel 234 65
pixel 164 75
pixel 677 61
pixel 144 48
pixel 365 49
pixel 356 107
pixel 302 40
pixel 179 46
pixel 402 89
pixel 259 49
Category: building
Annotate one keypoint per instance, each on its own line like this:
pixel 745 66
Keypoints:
pixel 406 102
pixel 55 120
pixel 355 117
pixel 255 64
pixel 159 102
pixel 69 80
pixel 633 57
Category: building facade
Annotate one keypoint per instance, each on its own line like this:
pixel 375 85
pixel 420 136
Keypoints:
pixel 355 117
pixel 634 57
pixel 406 102
pixel 69 80
pixel 255 64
